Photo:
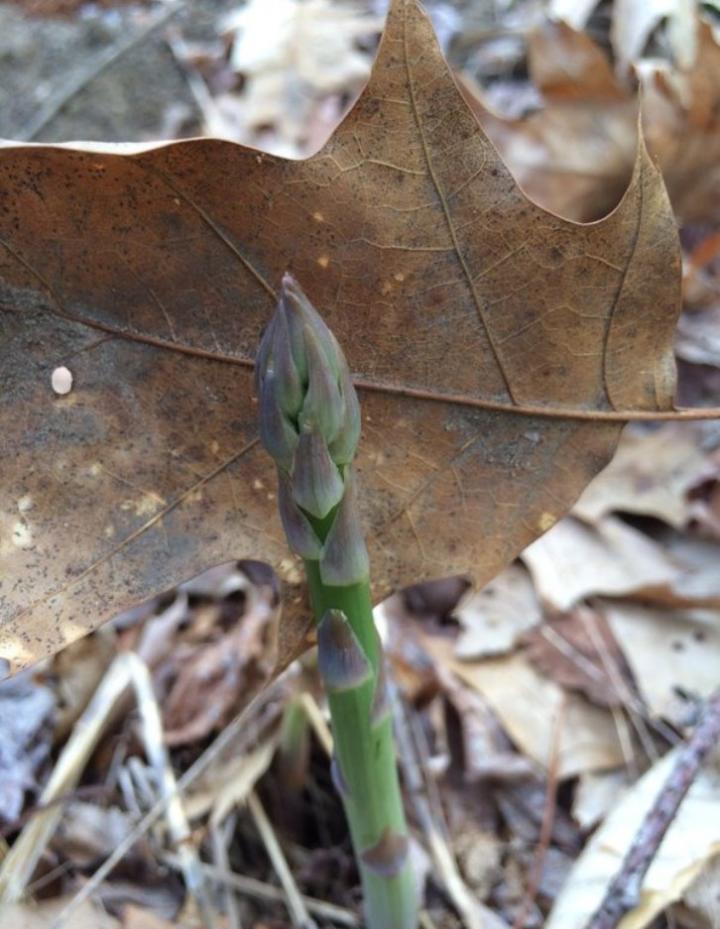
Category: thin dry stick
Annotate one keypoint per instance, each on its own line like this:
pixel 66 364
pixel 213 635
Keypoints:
pixel 634 707
pixel 194 771
pixel 474 915
pixel 624 891
pixel 317 721
pixel 178 826
pixel 548 819
pixel 251 887
pixel 220 837
pixel 299 915
pixel 126 670
pixel 215 124
pixel 553 637
pixel 70 88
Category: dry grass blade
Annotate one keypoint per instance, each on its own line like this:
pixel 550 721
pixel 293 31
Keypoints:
pixel 178 826
pixel 251 887
pixel 297 909
pixel 126 671
pixel 472 912
pixel 226 738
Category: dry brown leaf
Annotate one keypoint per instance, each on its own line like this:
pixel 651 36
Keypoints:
pixel 681 120
pixel 214 680
pixel 466 312
pixel 494 618
pixel 575 561
pixel 567 65
pixel 575 154
pixel 652 473
pixel 571 156
pixel 678 862
pixel 528 704
pixel 674 655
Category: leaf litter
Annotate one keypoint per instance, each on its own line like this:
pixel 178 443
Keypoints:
pixel 493 684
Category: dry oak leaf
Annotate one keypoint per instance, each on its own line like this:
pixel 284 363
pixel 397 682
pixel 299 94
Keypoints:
pixel 575 154
pixel 498 347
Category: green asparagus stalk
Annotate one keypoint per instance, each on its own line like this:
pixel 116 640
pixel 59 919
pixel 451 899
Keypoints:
pixel 310 425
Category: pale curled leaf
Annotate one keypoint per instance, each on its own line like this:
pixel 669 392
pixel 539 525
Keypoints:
pixel 675 866
pixel 528 704
pixel 674 655
pixel 574 561
pixel 156 271
pixel 634 21
pixel 653 473
pixel 493 619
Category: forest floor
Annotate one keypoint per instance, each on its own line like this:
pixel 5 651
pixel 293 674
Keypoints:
pixel 537 718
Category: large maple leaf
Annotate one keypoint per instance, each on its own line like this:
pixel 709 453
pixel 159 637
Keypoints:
pixel 497 346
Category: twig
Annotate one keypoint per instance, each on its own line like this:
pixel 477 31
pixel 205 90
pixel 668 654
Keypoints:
pixel 220 837
pixel 70 88
pixel 127 670
pixel 624 890
pixel 178 826
pixel 215 123
pixel 634 707
pixel 194 771
pixel 317 721
pixel 548 820
pixel 251 887
pixel 473 914
pixel 299 915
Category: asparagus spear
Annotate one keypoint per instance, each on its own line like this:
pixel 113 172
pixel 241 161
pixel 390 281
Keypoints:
pixel 310 425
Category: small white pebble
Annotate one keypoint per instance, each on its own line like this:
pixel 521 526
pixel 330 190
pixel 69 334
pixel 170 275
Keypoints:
pixel 25 503
pixel 62 381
